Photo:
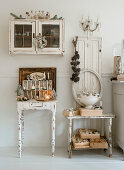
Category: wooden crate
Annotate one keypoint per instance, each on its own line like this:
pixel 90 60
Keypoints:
pixel 90 112
pixel 120 77
pixel 69 113
pixel 23 72
pixel 89 134
pixel 102 143
pixel 81 144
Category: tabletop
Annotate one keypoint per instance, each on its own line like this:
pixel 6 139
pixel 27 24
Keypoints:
pixel 105 115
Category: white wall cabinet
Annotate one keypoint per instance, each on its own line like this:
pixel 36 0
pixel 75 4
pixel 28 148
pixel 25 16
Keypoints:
pixel 118 108
pixel 23 34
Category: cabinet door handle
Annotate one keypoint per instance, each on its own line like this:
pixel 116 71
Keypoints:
pixel 34 35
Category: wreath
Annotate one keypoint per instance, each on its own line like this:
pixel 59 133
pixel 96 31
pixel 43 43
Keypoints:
pixel 40 41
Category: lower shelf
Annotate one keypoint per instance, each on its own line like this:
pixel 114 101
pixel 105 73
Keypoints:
pixel 87 148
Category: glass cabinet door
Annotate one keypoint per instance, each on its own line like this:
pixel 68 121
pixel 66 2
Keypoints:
pixel 53 33
pixel 36 36
pixel 22 36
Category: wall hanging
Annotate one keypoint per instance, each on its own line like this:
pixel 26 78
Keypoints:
pixel 75 63
pixel 37 33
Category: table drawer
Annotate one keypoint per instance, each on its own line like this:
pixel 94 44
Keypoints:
pixel 34 104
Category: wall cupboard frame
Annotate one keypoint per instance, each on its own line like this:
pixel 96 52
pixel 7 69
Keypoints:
pixel 23 33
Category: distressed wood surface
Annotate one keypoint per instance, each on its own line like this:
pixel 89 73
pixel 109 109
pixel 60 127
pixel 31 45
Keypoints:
pixel 108 117
pixel 36 29
pixel 34 105
pixel 105 116
pixel 110 137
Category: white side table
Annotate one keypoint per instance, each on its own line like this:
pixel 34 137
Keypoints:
pixel 70 130
pixel 34 105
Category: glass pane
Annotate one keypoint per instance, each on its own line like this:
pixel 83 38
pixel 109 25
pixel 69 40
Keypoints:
pixel 23 36
pixel 27 36
pixel 52 35
pixel 18 37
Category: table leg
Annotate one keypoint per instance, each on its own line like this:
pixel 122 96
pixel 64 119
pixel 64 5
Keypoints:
pixel 19 132
pixel 53 133
pixel 110 137
pixel 70 138
pixel 22 133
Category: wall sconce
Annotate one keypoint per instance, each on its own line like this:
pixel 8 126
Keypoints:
pixel 89 26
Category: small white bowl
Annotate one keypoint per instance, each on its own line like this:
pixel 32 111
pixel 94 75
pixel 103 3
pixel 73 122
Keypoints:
pixel 88 101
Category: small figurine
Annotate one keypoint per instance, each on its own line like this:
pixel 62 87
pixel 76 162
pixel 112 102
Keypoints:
pixel 27 15
pixel 54 94
pixel 20 91
pixel 47 15
pixel 56 18
pixel 42 15
pixel 28 77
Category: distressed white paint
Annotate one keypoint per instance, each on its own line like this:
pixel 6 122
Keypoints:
pixel 12 49
pixel 108 117
pixel 36 29
pixel 34 105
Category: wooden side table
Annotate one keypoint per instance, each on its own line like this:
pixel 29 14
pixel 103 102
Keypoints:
pixel 34 105
pixel 70 130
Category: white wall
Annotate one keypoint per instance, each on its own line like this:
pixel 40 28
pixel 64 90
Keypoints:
pixel 37 129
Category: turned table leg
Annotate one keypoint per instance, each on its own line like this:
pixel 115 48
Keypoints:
pixel 53 133
pixel 22 132
pixel 110 137
pixel 19 132
pixel 70 138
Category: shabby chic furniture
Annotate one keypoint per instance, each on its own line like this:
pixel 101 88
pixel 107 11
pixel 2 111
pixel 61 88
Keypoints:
pixel 118 109
pixel 36 36
pixel 71 119
pixel 22 106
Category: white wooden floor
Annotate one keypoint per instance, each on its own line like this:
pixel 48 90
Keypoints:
pixel 40 159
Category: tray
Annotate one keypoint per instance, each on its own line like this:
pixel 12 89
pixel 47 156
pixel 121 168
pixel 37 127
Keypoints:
pixel 102 143
pixel 69 113
pixel 86 134
pixel 90 112
pixel 81 144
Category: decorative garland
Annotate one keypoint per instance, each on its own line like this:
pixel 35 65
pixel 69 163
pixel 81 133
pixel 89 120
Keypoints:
pixel 75 64
pixel 36 15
